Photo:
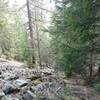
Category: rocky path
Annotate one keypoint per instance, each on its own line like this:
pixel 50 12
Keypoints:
pixel 17 82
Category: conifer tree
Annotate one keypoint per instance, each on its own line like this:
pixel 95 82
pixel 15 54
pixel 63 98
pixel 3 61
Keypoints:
pixel 75 37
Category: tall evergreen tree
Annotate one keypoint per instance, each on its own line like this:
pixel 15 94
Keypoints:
pixel 74 37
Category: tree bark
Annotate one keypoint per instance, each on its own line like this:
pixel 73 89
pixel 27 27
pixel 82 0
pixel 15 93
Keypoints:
pixel 38 41
pixel 37 33
pixel 31 34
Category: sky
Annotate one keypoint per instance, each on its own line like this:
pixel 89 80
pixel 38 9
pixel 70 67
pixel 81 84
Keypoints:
pixel 19 2
pixel 47 5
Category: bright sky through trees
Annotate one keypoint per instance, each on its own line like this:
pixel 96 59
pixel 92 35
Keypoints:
pixel 47 4
pixel 19 2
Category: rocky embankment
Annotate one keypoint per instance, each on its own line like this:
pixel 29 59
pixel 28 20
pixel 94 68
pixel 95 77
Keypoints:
pixel 18 82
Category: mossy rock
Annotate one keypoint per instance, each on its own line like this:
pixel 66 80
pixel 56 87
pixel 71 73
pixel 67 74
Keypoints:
pixel 4 98
pixel 38 81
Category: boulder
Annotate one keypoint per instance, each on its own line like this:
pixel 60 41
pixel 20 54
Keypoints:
pixel 21 83
pixel 12 77
pixel 9 88
pixel 10 97
pixel 29 96
pixel 40 88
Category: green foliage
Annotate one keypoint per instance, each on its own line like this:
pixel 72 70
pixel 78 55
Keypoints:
pixel 19 45
pixel 13 34
pixel 4 34
pixel 97 87
pixel 73 36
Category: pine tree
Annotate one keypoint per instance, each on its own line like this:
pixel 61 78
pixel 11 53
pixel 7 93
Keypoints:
pixel 74 37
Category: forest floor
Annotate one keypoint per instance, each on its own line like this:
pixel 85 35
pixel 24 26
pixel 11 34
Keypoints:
pixel 17 82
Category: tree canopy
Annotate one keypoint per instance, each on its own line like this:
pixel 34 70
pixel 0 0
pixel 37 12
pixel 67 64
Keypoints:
pixel 75 37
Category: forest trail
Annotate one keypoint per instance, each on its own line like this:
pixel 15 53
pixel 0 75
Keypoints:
pixel 4 62
pixel 17 82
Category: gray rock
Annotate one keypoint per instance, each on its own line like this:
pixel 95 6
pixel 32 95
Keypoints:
pixel 2 94
pixel 21 83
pixel 12 98
pixel 29 96
pixel 13 77
pixel 40 87
pixel 9 88
pixel 4 98
pixel 32 88
pixel 2 77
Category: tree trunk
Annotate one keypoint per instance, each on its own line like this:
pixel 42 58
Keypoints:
pixel 31 34
pixel 91 67
pixel 37 33
pixel 38 41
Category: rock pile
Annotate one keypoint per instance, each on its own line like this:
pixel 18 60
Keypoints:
pixel 22 83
